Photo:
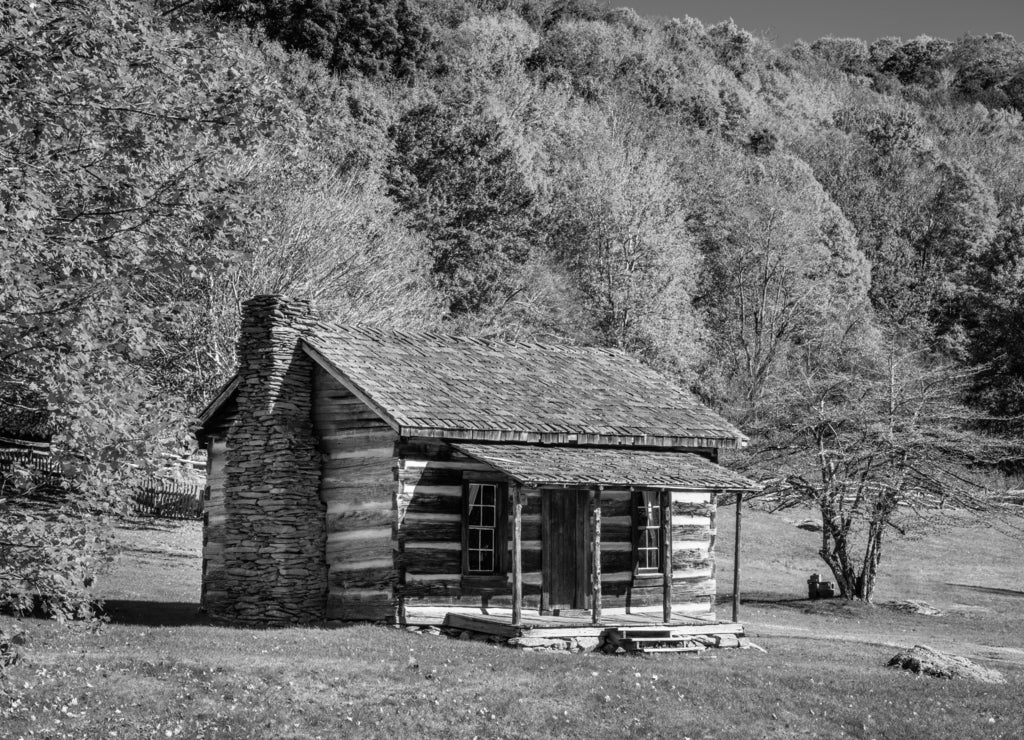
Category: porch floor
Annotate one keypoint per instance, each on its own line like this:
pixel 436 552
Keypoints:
pixel 538 625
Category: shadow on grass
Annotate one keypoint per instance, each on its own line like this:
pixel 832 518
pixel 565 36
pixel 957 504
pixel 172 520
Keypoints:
pixel 154 613
pixel 988 589
pixel 151 523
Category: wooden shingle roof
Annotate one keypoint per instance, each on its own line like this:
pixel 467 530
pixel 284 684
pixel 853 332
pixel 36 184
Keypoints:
pixel 473 389
pixel 534 465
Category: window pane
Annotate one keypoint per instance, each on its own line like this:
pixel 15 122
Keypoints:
pixel 486 561
pixel 486 539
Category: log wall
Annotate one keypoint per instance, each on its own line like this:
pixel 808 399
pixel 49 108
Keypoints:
pixel 693 554
pixel 358 489
pixel 429 532
pixel 429 541
pixel 213 509
pixel 693 584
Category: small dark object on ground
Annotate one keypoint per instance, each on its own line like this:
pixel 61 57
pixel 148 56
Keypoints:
pixel 819 589
pixel 809 525
pixel 922 659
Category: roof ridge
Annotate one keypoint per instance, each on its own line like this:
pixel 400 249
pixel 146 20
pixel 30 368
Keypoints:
pixel 488 342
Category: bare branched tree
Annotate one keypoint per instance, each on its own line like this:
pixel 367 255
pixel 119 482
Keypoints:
pixel 872 442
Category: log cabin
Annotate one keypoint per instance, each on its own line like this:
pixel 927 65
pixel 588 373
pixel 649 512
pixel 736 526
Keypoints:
pixel 361 474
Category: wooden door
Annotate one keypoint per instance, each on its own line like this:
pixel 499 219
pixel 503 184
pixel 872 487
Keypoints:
pixel 566 548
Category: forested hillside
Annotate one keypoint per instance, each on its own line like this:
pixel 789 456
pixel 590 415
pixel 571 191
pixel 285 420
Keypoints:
pixel 829 236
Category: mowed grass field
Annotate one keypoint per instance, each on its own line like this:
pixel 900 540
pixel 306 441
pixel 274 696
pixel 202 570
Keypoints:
pixel 157 671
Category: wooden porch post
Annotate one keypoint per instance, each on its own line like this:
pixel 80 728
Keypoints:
pixel 595 554
pixel 517 556
pixel 666 554
pixel 736 560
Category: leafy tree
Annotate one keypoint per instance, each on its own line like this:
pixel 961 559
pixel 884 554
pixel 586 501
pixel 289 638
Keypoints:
pixel 984 64
pixel 781 264
pixel 920 61
pixel 846 54
pixel 616 229
pixel 126 144
pixel 881 49
pixel 962 220
pixel 372 37
pixel 457 174
pixel 994 320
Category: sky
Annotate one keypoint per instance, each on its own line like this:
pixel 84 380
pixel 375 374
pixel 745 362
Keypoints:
pixel 784 21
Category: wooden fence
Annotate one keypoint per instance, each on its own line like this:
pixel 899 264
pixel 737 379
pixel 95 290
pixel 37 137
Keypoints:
pixel 157 497
pixel 168 499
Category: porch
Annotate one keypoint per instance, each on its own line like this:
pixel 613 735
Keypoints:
pixel 534 624
pixel 642 633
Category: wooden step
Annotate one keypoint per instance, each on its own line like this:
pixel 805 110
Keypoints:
pixel 672 649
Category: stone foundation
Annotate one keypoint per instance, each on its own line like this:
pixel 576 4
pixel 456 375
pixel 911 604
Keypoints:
pixel 608 643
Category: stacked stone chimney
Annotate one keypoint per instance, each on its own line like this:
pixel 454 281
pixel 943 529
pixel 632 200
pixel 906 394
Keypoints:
pixel 274 569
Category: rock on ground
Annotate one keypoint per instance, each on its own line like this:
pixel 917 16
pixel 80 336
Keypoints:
pixel 922 659
pixel 916 607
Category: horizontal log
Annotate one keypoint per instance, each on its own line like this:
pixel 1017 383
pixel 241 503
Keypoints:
pixel 427 449
pixel 344 521
pixel 688 509
pixel 431 477
pixel 616 561
pixel 357 439
pixel 683 560
pixel 341 549
pixel 533 560
pixel 440 490
pixel 428 560
pixel 333 475
pixel 362 594
pixel 645 596
pixel 343 492
pixel 359 462
pixel 530 531
pixel 417 530
pixel 693 533
pixel 350 566
pixel 683 591
pixel 335 415
pixel 620 506
pixel 323 402
pixel 363 611
pixel 373 578
pixel 620 529
pixel 616 546
pixel 327 427
pixel 432 503
pixel 532 506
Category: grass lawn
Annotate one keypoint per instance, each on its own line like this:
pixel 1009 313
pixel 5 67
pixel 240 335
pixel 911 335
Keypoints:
pixel 155 671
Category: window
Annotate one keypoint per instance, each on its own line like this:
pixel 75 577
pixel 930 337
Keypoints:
pixel 648 542
pixel 484 535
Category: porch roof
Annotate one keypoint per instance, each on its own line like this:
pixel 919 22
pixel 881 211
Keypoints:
pixel 534 465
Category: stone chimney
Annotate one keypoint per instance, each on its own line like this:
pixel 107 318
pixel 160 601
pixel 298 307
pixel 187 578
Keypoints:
pixel 274 567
